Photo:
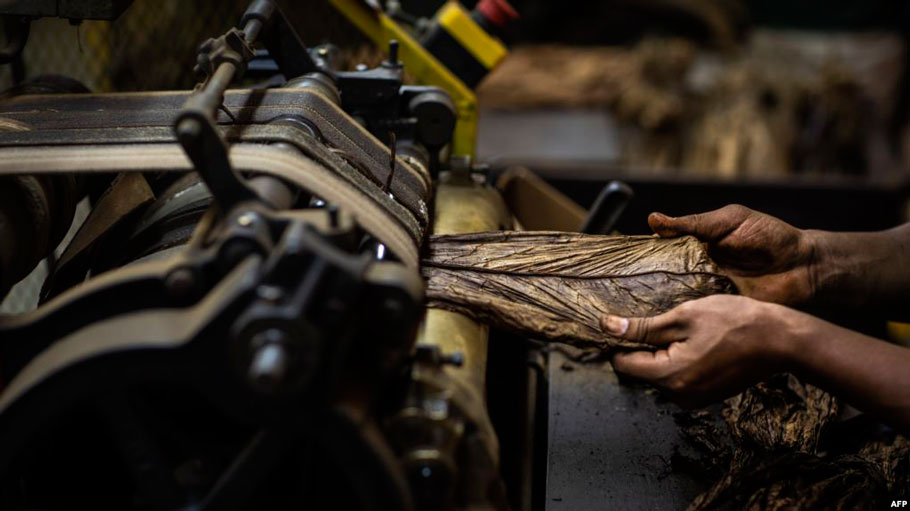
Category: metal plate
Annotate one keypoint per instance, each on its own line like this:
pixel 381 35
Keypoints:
pixel 610 446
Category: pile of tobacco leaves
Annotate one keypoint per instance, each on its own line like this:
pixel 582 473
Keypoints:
pixel 780 445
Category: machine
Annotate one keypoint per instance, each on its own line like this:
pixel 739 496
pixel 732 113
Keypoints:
pixel 238 324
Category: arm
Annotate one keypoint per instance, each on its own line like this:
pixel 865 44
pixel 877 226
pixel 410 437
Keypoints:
pixel 871 375
pixel 856 269
pixel 773 261
pixel 715 347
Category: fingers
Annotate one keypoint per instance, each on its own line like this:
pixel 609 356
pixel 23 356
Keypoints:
pixel 657 330
pixel 659 369
pixel 644 365
pixel 660 330
pixel 710 226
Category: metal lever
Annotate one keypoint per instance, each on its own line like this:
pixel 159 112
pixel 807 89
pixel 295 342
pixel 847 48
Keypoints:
pixel 609 206
pixel 209 154
pixel 220 61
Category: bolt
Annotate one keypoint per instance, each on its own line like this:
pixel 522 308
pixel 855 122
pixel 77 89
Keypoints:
pixel 271 294
pixel 322 52
pixel 269 366
pixel 361 67
pixel 246 219
pixel 393 51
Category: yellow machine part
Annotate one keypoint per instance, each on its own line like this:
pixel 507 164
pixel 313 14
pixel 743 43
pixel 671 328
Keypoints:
pixel 464 206
pixel 422 65
pixel 458 23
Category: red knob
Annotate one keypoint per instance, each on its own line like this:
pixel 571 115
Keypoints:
pixel 499 12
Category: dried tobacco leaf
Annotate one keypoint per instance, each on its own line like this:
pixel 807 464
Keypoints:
pixel 782 414
pixel 892 456
pixel 557 285
pixel 802 481
pixel 771 455
pixel 774 427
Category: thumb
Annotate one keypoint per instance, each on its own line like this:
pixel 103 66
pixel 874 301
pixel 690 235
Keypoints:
pixel 710 226
pixel 658 330
pixel 667 226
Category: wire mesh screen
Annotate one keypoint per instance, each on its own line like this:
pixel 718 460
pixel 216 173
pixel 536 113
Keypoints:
pixel 154 42
pixel 57 47
pixel 152 46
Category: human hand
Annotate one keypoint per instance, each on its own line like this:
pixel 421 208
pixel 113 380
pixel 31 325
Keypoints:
pixel 767 258
pixel 710 348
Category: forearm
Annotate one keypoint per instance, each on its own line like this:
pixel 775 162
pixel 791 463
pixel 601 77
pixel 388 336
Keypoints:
pixel 869 374
pixel 856 269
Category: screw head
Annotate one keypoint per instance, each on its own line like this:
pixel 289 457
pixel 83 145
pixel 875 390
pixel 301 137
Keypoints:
pixel 246 219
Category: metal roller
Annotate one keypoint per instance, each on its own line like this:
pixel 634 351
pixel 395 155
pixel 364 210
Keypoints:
pixel 443 432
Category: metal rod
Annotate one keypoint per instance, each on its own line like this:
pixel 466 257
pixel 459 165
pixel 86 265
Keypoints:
pixel 251 30
pixel 212 94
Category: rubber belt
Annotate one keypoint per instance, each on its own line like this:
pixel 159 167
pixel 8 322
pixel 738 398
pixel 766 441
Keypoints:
pixel 272 161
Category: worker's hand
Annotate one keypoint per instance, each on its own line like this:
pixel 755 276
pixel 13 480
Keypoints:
pixel 767 258
pixel 708 349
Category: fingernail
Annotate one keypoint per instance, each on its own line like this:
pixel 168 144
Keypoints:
pixel 616 325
